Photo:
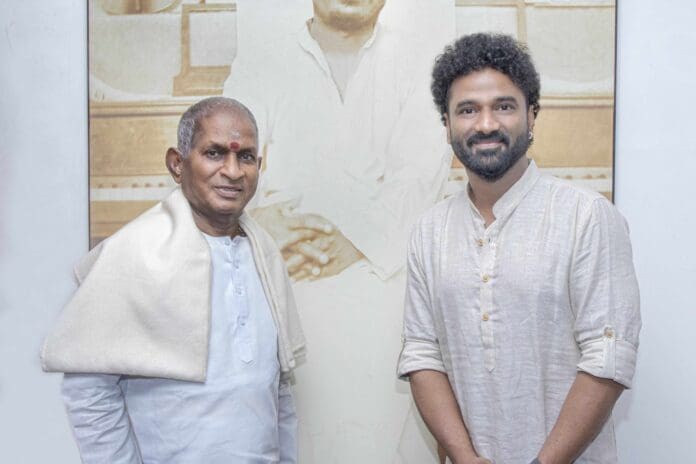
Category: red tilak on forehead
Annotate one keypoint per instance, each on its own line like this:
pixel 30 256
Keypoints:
pixel 234 146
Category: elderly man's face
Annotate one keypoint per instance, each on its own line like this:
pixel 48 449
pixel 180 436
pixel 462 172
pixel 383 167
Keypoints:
pixel 348 14
pixel 220 174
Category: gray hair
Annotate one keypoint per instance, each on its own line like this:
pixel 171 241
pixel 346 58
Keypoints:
pixel 190 120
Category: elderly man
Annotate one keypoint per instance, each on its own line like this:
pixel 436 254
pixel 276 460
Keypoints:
pixel 522 314
pixel 354 154
pixel 179 342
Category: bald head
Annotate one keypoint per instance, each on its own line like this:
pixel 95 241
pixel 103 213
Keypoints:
pixel 190 121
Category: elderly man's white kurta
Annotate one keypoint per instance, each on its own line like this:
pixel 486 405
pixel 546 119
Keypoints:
pixel 243 412
pixel 511 312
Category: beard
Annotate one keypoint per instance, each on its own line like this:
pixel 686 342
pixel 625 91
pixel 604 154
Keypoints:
pixel 490 165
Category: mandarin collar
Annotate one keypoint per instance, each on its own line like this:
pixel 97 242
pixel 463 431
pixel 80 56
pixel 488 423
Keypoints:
pixel 507 203
pixel 311 46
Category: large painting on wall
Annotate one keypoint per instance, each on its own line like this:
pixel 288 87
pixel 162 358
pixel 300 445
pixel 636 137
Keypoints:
pixel 353 143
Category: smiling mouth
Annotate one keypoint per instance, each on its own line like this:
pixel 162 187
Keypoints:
pixel 229 191
pixel 488 145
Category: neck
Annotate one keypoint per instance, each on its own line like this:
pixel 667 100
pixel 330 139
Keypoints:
pixel 226 228
pixel 335 40
pixel 485 194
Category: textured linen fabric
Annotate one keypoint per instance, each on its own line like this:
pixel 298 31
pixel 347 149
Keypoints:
pixel 232 417
pixel 511 312
pixel 143 304
pixel 370 163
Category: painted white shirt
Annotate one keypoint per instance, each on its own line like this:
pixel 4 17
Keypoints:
pixel 370 163
pixel 242 413
pixel 511 312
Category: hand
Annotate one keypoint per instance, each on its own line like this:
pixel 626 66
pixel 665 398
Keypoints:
pixel 288 228
pixel 462 459
pixel 326 256
pixel 312 246
pixel 474 460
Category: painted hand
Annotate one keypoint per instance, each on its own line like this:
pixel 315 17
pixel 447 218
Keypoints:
pixel 313 248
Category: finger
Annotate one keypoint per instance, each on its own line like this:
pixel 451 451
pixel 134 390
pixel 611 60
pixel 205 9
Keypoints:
pixel 313 253
pixel 300 275
pixel 312 221
pixel 295 261
pixel 295 236
pixel 323 242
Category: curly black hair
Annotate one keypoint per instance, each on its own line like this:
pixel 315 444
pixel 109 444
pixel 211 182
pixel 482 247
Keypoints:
pixel 476 52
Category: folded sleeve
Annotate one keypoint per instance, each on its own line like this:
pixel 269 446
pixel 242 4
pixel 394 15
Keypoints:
pixel 604 295
pixel 421 347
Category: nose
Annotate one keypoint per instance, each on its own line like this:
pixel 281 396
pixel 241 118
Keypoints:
pixel 487 122
pixel 231 167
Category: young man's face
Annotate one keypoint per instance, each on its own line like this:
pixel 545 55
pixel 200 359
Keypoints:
pixel 220 174
pixel 488 123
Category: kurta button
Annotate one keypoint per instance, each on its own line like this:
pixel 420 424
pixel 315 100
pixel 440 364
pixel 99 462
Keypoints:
pixel 486 278
pixel 608 333
pixel 485 317
pixel 479 242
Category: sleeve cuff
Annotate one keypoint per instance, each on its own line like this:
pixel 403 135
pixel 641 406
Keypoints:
pixel 418 355
pixel 609 358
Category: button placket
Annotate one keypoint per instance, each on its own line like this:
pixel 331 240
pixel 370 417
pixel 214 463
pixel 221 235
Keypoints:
pixel 241 303
pixel 488 256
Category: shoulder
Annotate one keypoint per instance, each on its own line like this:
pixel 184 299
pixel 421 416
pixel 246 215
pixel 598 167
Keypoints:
pixel 268 247
pixel 565 189
pixel 588 207
pixel 430 225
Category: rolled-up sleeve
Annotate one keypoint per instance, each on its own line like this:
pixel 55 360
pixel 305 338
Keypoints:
pixel 604 295
pixel 421 347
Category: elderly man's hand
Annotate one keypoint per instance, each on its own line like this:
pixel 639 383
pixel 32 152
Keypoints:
pixel 312 246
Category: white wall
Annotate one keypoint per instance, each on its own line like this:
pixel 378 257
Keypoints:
pixel 43 212
pixel 43 217
pixel 655 189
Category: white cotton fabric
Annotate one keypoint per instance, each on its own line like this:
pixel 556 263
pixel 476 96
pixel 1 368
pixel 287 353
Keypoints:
pixel 511 312
pixel 241 413
pixel 143 305
pixel 369 163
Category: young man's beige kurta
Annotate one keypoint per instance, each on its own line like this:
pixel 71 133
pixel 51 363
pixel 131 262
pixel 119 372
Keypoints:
pixel 511 312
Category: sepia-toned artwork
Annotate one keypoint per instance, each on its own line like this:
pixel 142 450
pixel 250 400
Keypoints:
pixel 352 142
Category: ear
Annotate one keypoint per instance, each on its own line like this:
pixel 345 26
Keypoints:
pixel 447 126
pixel 531 119
pixel 175 163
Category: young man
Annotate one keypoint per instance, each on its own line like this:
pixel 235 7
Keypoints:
pixel 179 342
pixel 522 313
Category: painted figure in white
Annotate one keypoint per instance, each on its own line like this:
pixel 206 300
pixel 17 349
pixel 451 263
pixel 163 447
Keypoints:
pixel 353 155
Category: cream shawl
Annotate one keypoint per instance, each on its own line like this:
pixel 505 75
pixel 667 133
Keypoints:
pixel 143 304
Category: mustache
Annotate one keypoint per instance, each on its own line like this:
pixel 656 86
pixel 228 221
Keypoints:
pixel 491 137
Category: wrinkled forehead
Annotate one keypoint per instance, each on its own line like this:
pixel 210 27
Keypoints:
pixel 233 123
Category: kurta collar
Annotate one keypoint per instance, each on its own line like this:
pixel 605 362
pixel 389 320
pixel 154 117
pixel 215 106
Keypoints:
pixel 506 204
pixel 311 46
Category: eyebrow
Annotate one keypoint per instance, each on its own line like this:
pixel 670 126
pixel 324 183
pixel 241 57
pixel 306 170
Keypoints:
pixel 217 146
pixel 503 99
pixel 506 99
